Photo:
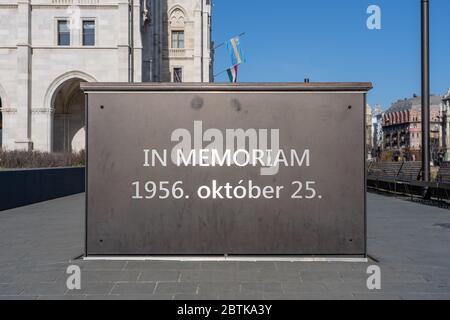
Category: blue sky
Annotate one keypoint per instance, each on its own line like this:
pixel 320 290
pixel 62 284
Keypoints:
pixel 327 40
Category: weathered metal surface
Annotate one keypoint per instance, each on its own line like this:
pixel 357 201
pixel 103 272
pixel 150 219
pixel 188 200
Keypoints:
pixel 328 123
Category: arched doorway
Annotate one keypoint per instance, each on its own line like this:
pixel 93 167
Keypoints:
pixel 68 119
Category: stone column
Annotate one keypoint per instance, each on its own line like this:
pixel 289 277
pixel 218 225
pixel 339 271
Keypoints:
pixel 137 42
pixel 42 124
pixel 206 44
pixel 9 116
pixel 23 125
pixel 123 46
pixel 197 74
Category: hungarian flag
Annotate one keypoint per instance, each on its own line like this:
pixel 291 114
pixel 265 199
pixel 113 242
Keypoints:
pixel 232 73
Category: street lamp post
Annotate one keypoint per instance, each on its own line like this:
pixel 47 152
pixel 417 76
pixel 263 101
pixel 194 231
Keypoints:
pixel 425 91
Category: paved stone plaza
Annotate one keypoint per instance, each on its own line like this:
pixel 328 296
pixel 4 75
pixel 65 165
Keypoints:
pixel 411 241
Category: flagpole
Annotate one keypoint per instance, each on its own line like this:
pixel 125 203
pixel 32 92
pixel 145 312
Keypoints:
pixel 222 72
pixel 425 91
pixel 239 35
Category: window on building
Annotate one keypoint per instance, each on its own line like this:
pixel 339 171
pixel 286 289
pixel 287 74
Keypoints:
pixel 178 39
pixel 88 33
pixel 63 33
pixel 177 74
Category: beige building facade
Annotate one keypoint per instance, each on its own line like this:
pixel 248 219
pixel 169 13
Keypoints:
pixel 402 126
pixel 48 47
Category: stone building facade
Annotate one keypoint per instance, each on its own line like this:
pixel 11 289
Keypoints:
pixel 402 128
pixel 368 128
pixel 377 129
pixel 47 47
pixel 445 129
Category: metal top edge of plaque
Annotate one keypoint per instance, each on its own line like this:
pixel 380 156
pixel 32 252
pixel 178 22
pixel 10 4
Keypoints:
pixel 249 87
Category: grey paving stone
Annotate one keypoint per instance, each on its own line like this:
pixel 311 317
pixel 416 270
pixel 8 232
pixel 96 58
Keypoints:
pixel 9 277
pixel 208 296
pixel 319 276
pixel 258 287
pixel 346 286
pixel 302 287
pixel 62 297
pixel 412 252
pixel 18 297
pixel 376 296
pixel 45 289
pixel 257 266
pixel 109 275
pixel 241 296
pixel 354 275
pixel 265 276
pixel 402 276
pixel 100 265
pixel 40 276
pixel 285 266
pixel 414 287
pixel 272 276
pixel 438 277
pixel 309 296
pixel 293 267
pixel 55 267
pixel 159 275
pixel 138 288
pixel 219 265
pixel 129 297
pixel 92 288
pixel 163 265
pixel 425 296
pixel 219 287
pixel 176 288
pixel 207 275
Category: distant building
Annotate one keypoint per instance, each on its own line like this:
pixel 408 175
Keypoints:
pixel 369 130
pixel 402 127
pixel 377 130
pixel 445 129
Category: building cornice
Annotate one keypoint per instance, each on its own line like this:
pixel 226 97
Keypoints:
pixel 74 47
pixel 69 47
pixel 8 110
pixel 85 6
pixel 43 110
pixel 48 4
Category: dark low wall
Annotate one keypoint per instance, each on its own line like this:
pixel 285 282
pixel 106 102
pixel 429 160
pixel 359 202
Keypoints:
pixel 436 190
pixel 20 187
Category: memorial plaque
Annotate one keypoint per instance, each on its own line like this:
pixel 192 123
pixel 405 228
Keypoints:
pixel 213 169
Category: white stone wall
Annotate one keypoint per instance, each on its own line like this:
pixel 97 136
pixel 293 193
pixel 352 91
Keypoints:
pixel 197 40
pixel 33 67
pixel 8 67
pixel 160 59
